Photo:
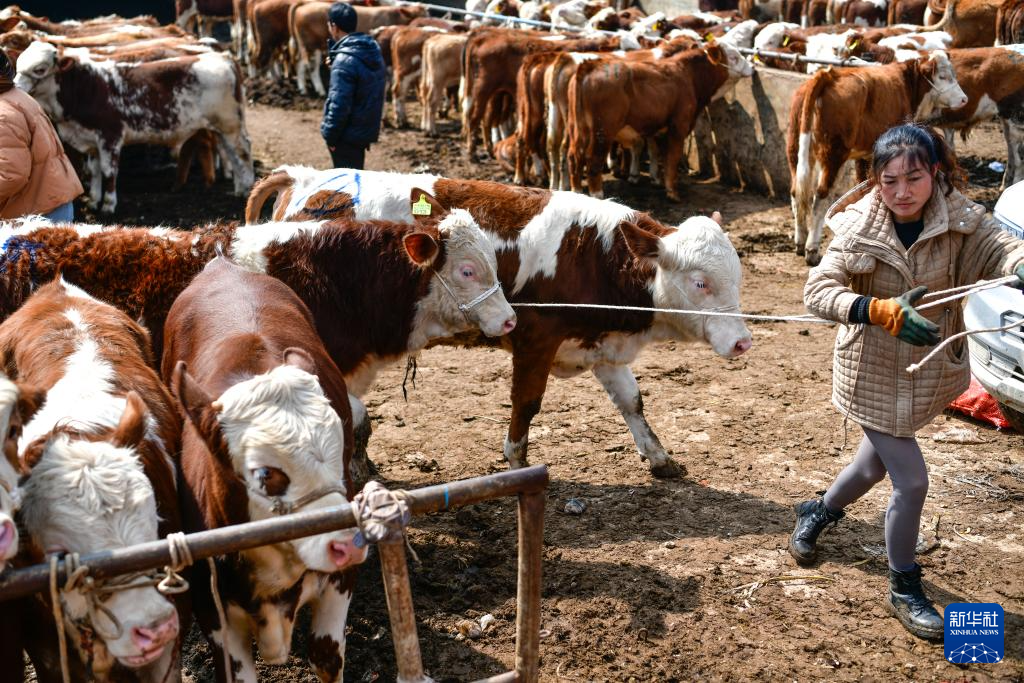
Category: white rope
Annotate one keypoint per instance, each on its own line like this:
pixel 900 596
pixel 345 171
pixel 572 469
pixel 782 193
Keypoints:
pixel 978 286
pixel 914 367
pixel 58 618
pixel 806 318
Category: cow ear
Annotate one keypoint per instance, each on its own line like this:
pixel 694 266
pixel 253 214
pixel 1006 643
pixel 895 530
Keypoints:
pixel 192 397
pixel 30 399
pixel 9 24
pixel 132 427
pixel 200 410
pixel 299 358
pixel 642 244
pixel 65 63
pixel 717 217
pixel 425 208
pixel 421 248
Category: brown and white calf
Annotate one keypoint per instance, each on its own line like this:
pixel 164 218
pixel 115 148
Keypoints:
pixel 101 105
pixel 268 431
pixel 100 454
pixel 822 136
pixel 563 247
pixel 612 100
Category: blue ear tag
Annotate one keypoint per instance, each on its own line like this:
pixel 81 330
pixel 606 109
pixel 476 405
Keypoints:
pixel 359 540
pixel 422 207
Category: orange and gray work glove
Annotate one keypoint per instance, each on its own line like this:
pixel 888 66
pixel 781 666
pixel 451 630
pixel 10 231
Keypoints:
pixel 898 317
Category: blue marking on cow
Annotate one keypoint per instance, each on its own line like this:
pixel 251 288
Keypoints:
pixel 12 250
pixel 349 182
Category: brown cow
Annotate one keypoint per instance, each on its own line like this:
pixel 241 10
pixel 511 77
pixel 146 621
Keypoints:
pixel 822 135
pixel 491 61
pixel 268 432
pixel 616 100
pixel 268 21
pixel 100 455
pixel 307 25
pixel 442 70
pixel 407 65
pixel 972 23
pixel 906 12
pixel 1010 23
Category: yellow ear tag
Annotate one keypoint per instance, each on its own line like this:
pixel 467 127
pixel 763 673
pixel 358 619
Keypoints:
pixel 709 37
pixel 854 44
pixel 422 207
pixel 785 41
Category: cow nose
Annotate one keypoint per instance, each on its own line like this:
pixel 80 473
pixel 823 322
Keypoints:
pixel 155 635
pixel 508 325
pixel 741 347
pixel 7 532
pixel 344 553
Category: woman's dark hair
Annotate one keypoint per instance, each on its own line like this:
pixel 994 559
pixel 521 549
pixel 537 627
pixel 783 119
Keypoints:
pixel 7 72
pixel 921 144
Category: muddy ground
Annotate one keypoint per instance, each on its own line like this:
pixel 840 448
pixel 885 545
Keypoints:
pixel 657 580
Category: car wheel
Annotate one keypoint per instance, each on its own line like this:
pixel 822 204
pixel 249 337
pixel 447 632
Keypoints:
pixel 1014 417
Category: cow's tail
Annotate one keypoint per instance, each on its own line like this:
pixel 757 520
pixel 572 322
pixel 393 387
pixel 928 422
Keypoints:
pixel 947 18
pixel 293 35
pixel 277 181
pixel 804 130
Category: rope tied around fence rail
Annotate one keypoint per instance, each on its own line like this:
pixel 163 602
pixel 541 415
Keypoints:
pixel 172 583
pixel 382 515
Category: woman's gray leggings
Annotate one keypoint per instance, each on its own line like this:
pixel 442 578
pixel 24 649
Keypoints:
pixel 902 459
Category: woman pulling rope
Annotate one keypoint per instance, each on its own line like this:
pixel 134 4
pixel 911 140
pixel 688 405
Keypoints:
pixel 905 231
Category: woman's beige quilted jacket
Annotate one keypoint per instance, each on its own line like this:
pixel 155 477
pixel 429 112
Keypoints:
pixel 960 244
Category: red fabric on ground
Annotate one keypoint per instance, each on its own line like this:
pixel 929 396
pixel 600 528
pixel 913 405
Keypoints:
pixel 979 404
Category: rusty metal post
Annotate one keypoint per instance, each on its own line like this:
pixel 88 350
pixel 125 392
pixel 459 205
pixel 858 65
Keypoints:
pixel 395 572
pixel 531 541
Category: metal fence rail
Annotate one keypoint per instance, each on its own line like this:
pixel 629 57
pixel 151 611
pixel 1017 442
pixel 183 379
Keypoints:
pixel 794 57
pixel 528 484
pixel 504 18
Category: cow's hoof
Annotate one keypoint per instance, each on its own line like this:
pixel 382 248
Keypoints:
pixel 674 197
pixel 669 470
pixel 813 258
pixel 799 249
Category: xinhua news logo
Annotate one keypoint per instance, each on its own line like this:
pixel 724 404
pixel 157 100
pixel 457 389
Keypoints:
pixel 974 633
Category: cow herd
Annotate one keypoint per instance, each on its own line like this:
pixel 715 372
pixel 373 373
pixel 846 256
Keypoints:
pixel 164 380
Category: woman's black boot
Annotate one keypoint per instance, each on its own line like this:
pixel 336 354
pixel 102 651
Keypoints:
pixel 911 606
pixel 811 519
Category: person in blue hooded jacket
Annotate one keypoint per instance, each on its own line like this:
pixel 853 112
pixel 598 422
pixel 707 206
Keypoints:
pixel 355 99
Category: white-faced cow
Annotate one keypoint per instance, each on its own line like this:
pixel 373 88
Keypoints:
pixel 269 432
pixel 101 105
pixel 100 455
pixel 562 247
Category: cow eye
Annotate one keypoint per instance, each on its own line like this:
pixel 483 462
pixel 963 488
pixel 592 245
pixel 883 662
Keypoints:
pixel 273 481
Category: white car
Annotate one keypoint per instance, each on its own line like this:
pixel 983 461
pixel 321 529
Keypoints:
pixel 997 358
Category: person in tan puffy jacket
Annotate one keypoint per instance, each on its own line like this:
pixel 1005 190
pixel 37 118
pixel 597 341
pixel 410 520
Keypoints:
pixel 906 231
pixel 36 176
